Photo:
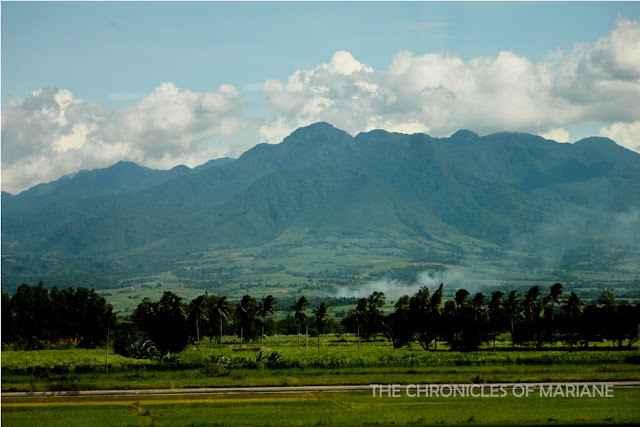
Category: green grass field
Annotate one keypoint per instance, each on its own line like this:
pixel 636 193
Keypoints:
pixel 324 409
pixel 195 378
pixel 339 361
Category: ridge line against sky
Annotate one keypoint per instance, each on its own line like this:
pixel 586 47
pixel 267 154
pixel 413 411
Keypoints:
pixel 85 85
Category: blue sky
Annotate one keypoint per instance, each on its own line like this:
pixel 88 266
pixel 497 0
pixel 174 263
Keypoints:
pixel 104 51
pixel 104 64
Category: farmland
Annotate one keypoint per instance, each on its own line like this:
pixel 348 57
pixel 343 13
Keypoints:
pixel 279 362
pixel 323 409
pixel 339 360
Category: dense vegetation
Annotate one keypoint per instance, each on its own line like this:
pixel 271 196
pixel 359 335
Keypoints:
pixel 34 317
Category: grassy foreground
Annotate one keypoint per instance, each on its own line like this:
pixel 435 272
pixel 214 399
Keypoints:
pixel 194 378
pixel 324 409
pixel 336 362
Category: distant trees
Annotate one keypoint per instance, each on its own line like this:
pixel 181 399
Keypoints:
pixel 367 319
pixel 497 312
pixel 164 322
pixel 245 320
pixel 466 323
pixel 399 328
pixel 35 316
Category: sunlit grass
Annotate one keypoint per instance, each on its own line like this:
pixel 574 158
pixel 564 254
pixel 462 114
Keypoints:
pixel 325 409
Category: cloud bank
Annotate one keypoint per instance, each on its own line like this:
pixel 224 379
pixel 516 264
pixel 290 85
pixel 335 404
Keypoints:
pixel 52 133
pixel 440 93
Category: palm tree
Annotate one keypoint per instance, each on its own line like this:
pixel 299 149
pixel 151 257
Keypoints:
pixel 553 297
pixel 299 316
pixel 531 304
pixel 573 306
pixel 245 314
pixel 435 314
pixel 223 310
pixel 496 305
pixel 210 302
pixel 196 313
pixel 110 320
pixel 513 310
pixel 266 306
pixel 573 309
pixel 496 310
pixel 477 305
pixel 321 314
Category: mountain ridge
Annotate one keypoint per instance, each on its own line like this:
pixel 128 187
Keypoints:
pixel 422 199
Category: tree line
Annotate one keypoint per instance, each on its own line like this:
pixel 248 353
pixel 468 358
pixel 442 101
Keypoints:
pixel 533 319
pixel 34 316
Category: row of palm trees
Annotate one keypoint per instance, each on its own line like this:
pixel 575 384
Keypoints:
pixel 466 321
pixel 212 311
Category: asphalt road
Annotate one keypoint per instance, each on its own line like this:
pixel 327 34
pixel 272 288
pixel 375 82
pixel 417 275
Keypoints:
pixel 266 390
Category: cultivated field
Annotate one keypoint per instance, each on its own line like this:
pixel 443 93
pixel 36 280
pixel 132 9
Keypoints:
pixel 339 360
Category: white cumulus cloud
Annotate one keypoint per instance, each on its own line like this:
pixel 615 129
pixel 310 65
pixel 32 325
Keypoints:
pixel 441 93
pixel 625 134
pixel 51 133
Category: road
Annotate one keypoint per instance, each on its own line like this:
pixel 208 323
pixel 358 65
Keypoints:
pixel 265 390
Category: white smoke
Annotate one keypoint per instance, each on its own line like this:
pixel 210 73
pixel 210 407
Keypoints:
pixel 453 279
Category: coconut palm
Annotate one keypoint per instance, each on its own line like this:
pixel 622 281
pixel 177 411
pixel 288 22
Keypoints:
pixel 496 310
pixel 321 319
pixel 266 306
pixel 513 311
pixel 573 309
pixel 553 297
pixel 299 316
pixel 550 300
pixel 573 306
pixel 435 314
pixel 111 320
pixel 196 310
pixel 531 304
pixel 222 309
pixel 477 306
pixel 245 316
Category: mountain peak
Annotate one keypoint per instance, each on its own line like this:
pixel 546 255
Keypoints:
pixel 464 135
pixel 122 164
pixel 317 133
pixel 596 141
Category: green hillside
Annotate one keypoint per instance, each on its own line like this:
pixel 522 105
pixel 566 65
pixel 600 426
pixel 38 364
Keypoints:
pixel 325 212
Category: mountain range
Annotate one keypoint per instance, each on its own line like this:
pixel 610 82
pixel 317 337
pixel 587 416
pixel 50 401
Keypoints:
pixel 326 209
